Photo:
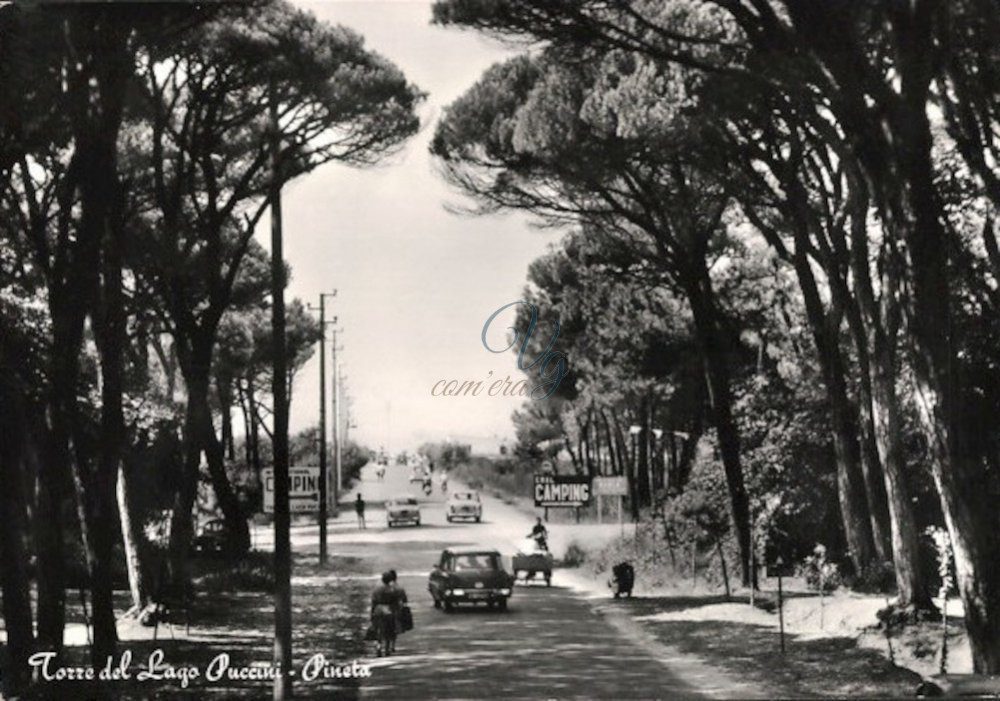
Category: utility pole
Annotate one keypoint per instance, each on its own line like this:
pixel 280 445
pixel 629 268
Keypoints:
pixel 279 391
pixel 324 473
pixel 340 442
pixel 336 420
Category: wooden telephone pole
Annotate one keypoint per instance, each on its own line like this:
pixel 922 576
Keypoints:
pixel 279 390
pixel 324 472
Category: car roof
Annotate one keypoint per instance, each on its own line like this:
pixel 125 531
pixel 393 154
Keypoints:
pixel 471 550
pixel 402 497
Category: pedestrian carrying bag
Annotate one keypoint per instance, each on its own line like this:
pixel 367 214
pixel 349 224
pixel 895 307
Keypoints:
pixel 405 618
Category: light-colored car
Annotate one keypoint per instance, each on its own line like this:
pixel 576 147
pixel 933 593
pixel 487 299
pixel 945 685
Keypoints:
pixel 419 474
pixel 464 505
pixel 404 509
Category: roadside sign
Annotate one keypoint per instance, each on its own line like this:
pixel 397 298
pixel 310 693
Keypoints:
pixel 303 489
pixel 562 490
pixel 610 486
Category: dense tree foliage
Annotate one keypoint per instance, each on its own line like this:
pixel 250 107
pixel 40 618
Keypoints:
pixel 135 161
pixel 857 142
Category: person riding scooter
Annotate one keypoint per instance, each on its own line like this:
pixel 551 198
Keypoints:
pixel 540 534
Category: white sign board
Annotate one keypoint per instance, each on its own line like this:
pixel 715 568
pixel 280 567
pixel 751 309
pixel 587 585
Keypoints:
pixel 610 486
pixel 303 489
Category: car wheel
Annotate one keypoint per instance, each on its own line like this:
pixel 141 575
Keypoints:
pixel 449 519
pixel 548 580
pixel 448 606
pixel 390 524
pixel 478 519
pixel 417 522
pixel 437 603
pixel 502 604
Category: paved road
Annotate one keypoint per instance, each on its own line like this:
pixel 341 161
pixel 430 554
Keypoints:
pixel 550 642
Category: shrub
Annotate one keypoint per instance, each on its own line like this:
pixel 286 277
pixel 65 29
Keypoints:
pixel 253 573
pixel 575 555
pixel 818 572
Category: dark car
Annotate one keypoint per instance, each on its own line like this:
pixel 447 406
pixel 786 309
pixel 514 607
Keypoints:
pixel 212 538
pixel 470 576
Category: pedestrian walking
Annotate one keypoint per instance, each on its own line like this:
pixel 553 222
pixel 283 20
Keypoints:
pixel 359 508
pixel 384 612
pixel 404 617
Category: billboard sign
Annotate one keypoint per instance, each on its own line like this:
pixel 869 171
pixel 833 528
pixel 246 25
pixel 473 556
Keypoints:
pixel 610 486
pixel 562 490
pixel 303 489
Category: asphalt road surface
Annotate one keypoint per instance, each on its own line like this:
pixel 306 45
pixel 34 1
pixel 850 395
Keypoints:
pixel 550 643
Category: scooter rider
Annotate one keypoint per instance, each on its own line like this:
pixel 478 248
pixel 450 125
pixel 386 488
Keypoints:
pixel 540 534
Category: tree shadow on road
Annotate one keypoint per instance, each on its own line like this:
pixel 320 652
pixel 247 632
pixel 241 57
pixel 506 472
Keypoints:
pixel 810 666
pixel 551 646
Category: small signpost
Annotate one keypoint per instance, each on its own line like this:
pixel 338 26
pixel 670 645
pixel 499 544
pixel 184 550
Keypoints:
pixel 781 570
pixel 303 491
pixel 611 487
pixel 547 468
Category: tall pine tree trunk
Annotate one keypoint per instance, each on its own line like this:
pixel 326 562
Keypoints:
pixel 15 585
pixel 970 512
pixel 236 523
pixel 181 520
pixel 877 350
pixel 854 506
pixel 715 349
pixel 133 540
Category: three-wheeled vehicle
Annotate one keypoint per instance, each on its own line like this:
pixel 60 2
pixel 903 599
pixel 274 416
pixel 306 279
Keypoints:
pixel 533 560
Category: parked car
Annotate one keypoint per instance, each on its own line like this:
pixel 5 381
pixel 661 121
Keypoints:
pixel 212 538
pixel 464 505
pixel 470 575
pixel 404 509
pixel 419 474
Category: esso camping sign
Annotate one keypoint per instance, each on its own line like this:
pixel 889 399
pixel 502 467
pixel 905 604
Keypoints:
pixel 562 490
pixel 303 490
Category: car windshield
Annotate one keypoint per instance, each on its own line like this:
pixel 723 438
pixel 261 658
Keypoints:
pixel 466 496
pixel 405 501
pixel 476 561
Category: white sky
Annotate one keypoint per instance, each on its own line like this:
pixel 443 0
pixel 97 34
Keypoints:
pixel 415 284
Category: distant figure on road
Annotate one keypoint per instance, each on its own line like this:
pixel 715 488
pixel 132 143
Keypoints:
pixel 380 472
pixel 359 507
pixel 443 480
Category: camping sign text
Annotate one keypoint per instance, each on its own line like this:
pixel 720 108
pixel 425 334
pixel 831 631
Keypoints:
pixel 562 490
